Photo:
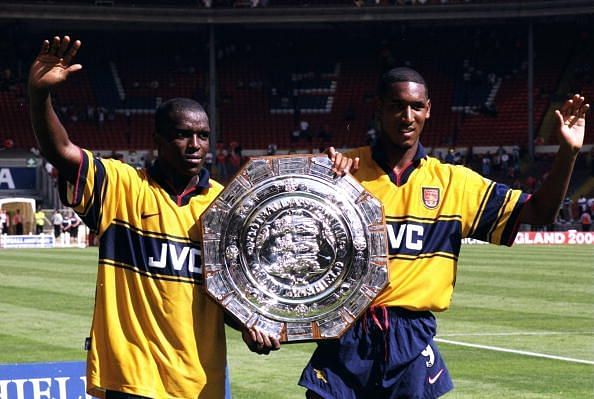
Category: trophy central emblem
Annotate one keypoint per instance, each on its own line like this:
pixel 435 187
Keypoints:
pixel 294 250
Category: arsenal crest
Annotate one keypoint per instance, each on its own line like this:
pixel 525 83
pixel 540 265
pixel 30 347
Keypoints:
pixel 431 197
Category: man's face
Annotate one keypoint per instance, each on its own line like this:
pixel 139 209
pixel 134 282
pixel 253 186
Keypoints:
pixel 182 146
pixel 402 114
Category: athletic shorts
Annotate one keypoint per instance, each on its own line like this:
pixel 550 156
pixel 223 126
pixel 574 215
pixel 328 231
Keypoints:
pixel 388 353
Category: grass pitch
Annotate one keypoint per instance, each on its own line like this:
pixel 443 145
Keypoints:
pixel 521 324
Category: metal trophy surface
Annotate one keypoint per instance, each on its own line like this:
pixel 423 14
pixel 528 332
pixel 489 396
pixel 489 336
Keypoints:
pixel 293 250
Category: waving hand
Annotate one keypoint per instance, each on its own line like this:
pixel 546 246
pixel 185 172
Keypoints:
pixel 544 204
pixel 53 63
pixel 571 122
pixel 52 66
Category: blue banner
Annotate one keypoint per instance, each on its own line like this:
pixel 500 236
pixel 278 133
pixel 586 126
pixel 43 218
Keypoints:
pixel 27 241
pixel 18 178
pixel 64 380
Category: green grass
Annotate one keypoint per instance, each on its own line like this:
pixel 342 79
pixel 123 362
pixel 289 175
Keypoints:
pixel 46 302
pixel 527 298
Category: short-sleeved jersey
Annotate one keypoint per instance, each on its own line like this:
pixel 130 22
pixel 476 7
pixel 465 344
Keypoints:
pixel 155 332
pixel 430 207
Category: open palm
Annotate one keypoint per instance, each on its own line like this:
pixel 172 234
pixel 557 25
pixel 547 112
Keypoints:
pixel 571 120
pixel 53 63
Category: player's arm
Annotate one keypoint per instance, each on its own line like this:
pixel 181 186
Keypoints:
pixel 544 204
pixel 52 66
pixel 232 321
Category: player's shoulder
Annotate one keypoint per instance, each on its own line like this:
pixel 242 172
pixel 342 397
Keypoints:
pixel 361 152
pixel 115 165
pixel 454 174
pixel 214 189
pixel 436 164
pixel 215 186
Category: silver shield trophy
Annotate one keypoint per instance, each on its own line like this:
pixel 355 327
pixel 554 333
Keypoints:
pixel 293 250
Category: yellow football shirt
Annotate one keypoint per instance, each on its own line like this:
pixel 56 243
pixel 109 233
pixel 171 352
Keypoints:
pixel 155 332
pixel 429 209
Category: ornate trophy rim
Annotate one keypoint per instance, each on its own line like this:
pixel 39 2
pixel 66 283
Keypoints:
pixel 292 249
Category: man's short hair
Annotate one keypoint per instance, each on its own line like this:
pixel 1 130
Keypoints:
pixel 399 74
pixel 166 113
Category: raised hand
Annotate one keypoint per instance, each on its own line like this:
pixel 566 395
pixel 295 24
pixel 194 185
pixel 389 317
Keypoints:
pixel 52 65
pixel 571 122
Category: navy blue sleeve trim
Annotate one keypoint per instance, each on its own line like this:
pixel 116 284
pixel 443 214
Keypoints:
pixel 511 229
pixel 490 214
pixel 476 220
pixel 92 214
pixel 79 184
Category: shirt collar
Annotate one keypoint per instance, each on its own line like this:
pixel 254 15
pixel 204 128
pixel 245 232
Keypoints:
pixel 379 156
pixel 201 181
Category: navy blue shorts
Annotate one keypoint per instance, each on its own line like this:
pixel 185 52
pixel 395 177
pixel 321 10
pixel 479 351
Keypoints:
pixel 388 353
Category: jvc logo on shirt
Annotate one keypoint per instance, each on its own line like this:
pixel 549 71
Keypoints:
pixel 405 236
pixel 177 258
pixel 159 256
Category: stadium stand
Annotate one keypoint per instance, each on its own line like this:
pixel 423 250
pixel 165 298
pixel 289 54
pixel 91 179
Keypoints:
pixel 266 87
pixel 272 77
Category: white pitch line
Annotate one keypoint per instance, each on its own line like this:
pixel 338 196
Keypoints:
pixel 498 349
pixel 541 333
